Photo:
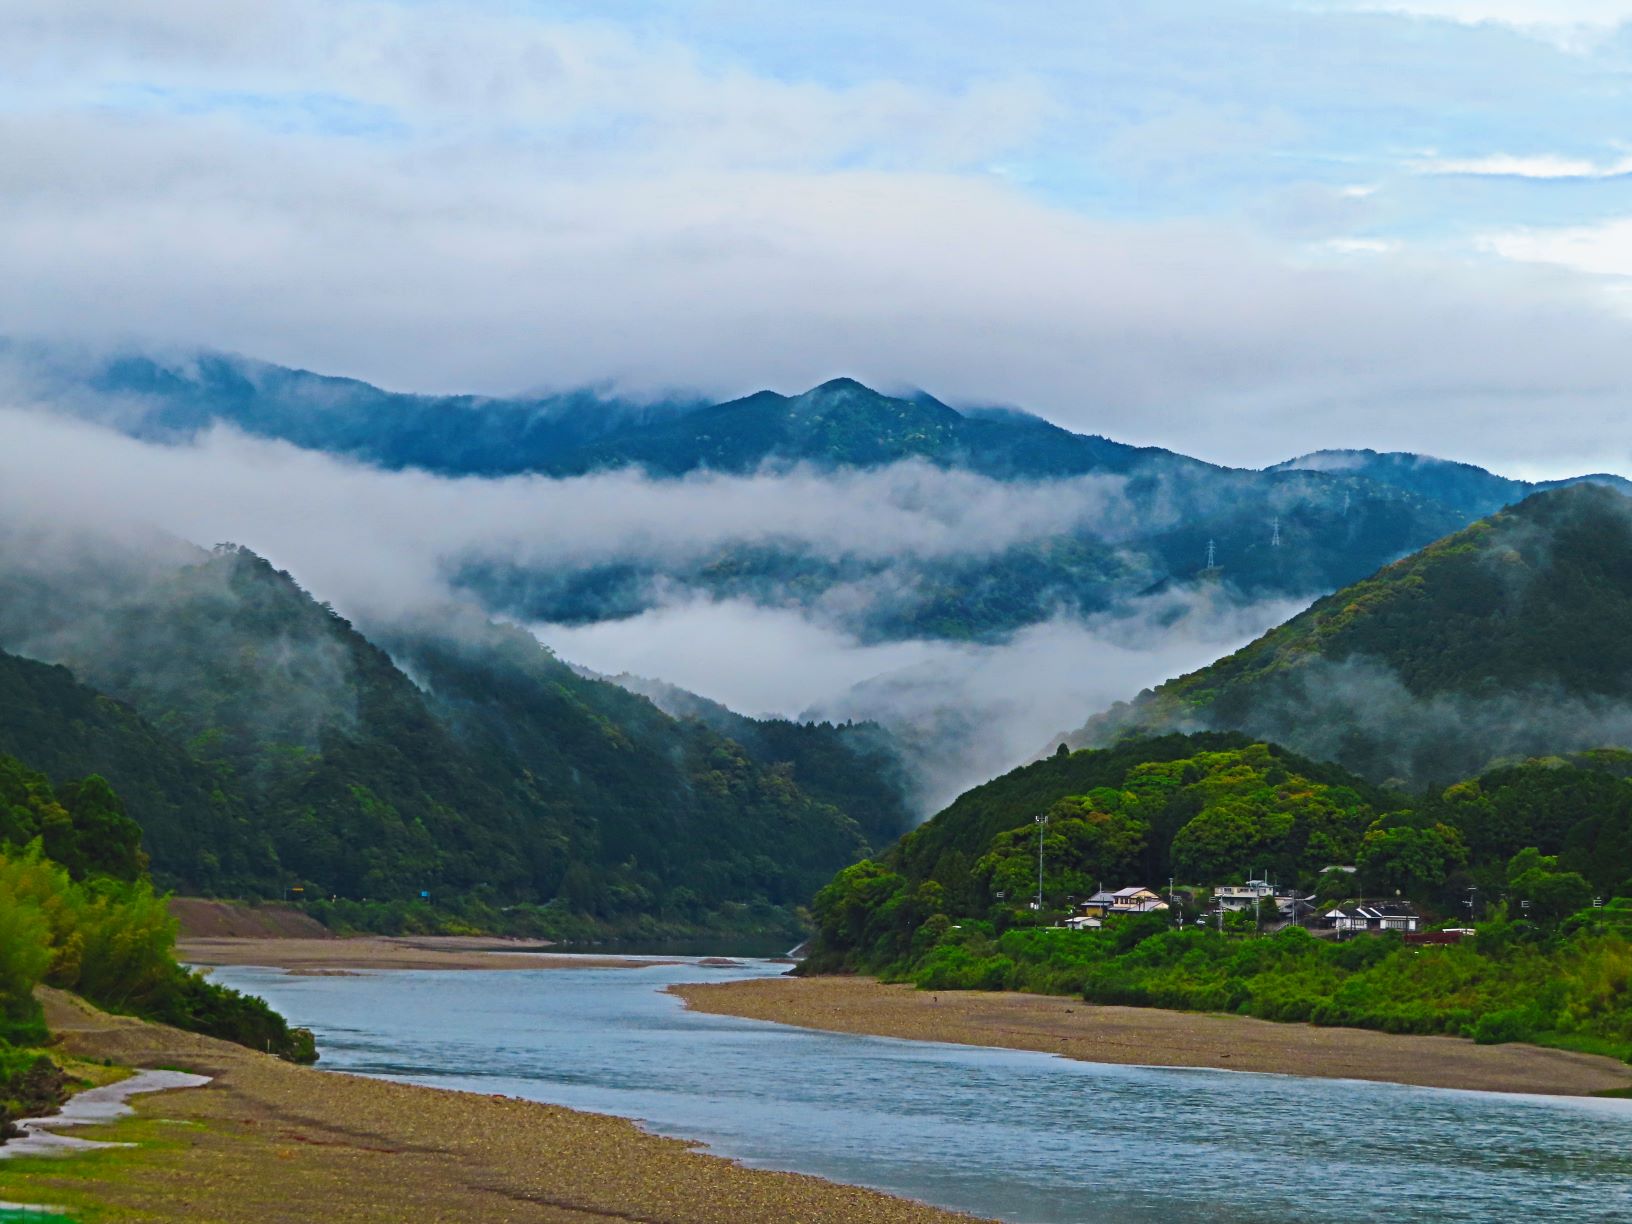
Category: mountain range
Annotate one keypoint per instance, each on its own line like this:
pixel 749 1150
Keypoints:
pixel 263 740
pixel 1132 520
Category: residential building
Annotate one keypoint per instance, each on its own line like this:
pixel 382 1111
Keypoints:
pixel 1135 900
pixel 1371 916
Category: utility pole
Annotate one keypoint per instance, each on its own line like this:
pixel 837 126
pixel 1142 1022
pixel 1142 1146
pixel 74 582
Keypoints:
pixel 1469 903
pixel 1042 823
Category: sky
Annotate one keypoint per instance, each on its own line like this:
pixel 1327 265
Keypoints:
pixel 1243 229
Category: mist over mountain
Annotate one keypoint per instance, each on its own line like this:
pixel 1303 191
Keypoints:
pixel 261 740
pixel 971 579
pixel 175 400
pixel 1502 641
pixel 961 525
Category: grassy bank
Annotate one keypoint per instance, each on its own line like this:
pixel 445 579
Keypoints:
pixel 1563 987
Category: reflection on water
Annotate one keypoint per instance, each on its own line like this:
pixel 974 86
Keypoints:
pixel 1005 1133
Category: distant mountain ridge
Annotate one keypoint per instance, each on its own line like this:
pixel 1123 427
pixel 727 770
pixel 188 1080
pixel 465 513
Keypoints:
pixel 1296 530
pixel 1464 487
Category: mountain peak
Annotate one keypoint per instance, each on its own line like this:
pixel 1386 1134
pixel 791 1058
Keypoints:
pixel 841 386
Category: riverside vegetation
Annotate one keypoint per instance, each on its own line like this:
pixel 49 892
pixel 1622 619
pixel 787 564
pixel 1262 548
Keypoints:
pixel 947 907
pixel 77 911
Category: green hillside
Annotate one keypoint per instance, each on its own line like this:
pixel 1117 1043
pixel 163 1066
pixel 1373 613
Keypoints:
pixel 198 833
pixel 1506 639
pixel 264 742
pixel 856 767
pixel 1538 854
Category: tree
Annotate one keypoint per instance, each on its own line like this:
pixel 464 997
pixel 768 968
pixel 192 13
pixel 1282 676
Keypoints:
pixel 1553 894
pixel 1407 859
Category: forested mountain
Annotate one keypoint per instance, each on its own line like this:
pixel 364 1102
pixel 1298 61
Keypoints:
pixel 198 834
pixel 1147 519
pixel 175 400
pixel 1462 487
pixel 842 423
pixel 263 741
pixel 859 768
pixel 1538 854
pixel 1507 639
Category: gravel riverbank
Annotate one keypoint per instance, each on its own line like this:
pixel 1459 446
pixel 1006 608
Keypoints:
pixel 265 1142
pixel 1148 1037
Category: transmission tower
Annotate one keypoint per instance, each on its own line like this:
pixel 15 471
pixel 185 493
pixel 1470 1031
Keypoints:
pixel 1275 533
pixel 1211 555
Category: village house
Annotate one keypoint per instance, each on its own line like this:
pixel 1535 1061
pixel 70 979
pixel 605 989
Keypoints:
pixel 1236 897
pixel 1370 916
pixel 1134 900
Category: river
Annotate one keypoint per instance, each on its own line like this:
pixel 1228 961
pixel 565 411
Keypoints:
pixel 1016 1135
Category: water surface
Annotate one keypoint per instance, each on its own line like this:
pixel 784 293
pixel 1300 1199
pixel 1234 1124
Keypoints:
pixel 1012 1134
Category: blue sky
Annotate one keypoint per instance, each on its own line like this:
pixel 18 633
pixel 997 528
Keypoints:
pixel 1238 228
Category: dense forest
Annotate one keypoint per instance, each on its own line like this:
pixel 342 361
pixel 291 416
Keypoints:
pixel 1540 853
pixel 445 769
pixel 78 912
pixel 1504 640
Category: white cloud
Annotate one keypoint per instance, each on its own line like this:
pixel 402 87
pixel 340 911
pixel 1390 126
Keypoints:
pixel 1542 14
pixel 377 545
pixel 1599 250
pixel 1536 166
pixel 970 711
pixel 540 202
pixel 372 540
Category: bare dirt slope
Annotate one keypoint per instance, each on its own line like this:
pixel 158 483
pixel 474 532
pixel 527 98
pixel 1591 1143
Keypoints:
pixel 204 919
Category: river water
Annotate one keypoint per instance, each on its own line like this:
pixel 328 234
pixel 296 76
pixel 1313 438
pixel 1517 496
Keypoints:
pixel 1011 1134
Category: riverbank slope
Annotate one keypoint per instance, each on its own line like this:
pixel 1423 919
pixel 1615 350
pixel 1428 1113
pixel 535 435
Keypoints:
pixel 1148 1037
pixel 266 1141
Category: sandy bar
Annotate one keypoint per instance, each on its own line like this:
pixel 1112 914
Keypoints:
pixel 319 956
pixel 1145 1036
pixel 266 1141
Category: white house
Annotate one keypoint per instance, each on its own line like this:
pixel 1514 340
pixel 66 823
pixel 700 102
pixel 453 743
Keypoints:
pixel 1371 916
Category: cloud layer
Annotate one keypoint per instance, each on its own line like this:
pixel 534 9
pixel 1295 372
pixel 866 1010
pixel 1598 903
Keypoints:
pixel 1133 228
pixel 382 545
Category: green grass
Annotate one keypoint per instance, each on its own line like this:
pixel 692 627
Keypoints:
pixel 78 1182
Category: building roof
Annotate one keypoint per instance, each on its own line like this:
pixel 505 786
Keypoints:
pixel 1372 911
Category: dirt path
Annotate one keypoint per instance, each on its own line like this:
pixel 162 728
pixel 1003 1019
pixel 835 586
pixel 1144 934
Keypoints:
pixel 266 1142
pixel 1144 1036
